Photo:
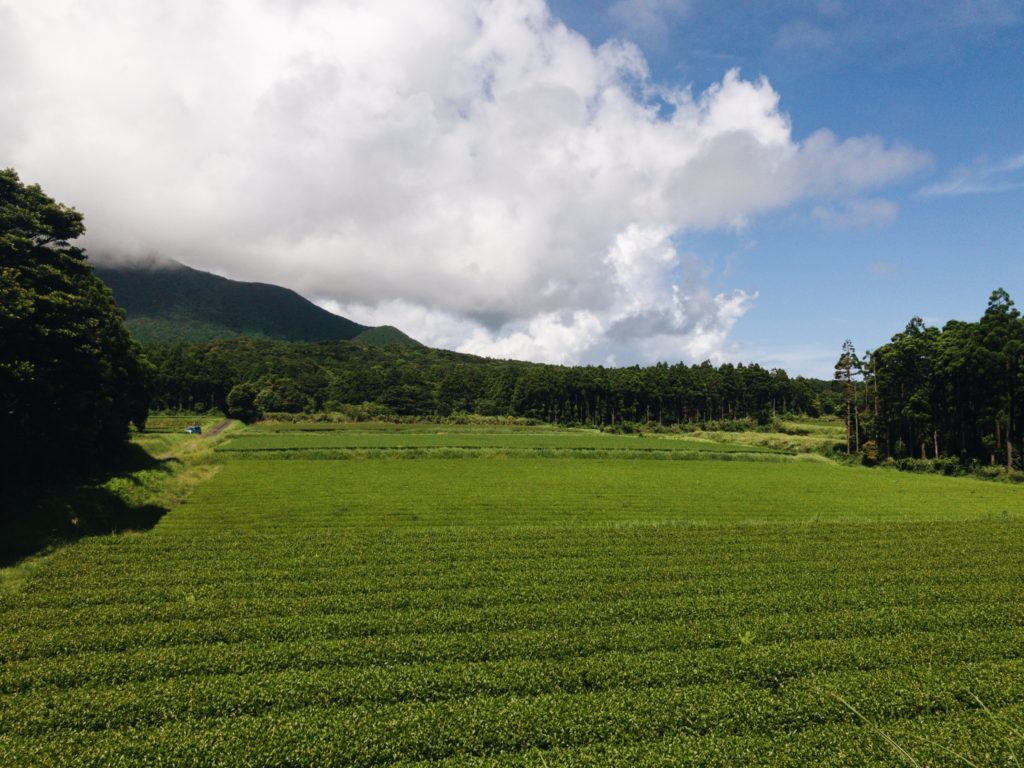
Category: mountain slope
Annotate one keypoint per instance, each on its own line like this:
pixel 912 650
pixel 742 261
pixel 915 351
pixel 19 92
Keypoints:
pixel 169 302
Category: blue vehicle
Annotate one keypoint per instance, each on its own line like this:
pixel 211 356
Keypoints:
pixel 194 429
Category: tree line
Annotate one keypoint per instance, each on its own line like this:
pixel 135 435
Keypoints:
pixel 250 377
pixel 953 393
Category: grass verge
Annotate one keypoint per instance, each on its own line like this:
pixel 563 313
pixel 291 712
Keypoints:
pixel 156 472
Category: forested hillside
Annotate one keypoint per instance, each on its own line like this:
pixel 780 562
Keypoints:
pixel 165 301
pixel 250 376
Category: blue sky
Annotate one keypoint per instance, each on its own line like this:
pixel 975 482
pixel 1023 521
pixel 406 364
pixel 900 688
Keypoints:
pixel 944 77
pixel 569 182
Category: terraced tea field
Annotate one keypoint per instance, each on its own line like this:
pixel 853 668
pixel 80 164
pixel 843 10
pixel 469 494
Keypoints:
pixel 522 609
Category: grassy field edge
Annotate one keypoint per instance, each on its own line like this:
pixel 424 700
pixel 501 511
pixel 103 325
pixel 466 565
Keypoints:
pixel 161 468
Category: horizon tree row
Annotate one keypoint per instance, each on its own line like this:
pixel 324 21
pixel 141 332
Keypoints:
pixel 248 377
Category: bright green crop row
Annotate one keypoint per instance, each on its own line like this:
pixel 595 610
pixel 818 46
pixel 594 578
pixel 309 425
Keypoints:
pixel 551 439
pixel 430 427
pixel 478 604
pixel 485 725
pixel 926 741
pixel 314 592
pixel 692 631
pixel 556 652
pixel 157 700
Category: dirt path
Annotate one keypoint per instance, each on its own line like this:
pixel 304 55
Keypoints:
pixel 218 429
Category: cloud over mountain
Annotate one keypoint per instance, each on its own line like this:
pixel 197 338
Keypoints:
pixel 470 170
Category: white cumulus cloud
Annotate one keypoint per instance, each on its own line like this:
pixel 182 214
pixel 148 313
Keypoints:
pixel 471 171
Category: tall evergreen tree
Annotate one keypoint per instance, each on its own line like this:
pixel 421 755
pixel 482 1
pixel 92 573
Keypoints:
pixel 71 379
pixel 846 367
pixel 1002 337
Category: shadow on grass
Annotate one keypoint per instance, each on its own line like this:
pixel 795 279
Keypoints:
pixel 40 514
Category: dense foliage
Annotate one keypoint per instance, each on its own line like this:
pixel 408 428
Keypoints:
pixel 247 377
pixel 955 394
pixel 71 379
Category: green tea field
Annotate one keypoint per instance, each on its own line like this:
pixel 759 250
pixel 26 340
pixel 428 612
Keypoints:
pixel 571 440
pixel 380 597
